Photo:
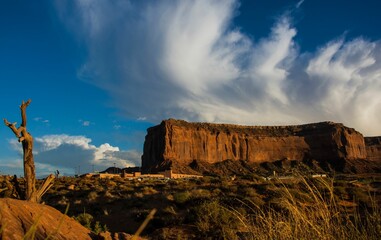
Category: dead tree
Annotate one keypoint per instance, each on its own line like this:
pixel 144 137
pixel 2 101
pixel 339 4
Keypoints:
pixel 29 170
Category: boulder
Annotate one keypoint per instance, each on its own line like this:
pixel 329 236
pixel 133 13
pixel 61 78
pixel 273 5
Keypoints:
pixel 19 219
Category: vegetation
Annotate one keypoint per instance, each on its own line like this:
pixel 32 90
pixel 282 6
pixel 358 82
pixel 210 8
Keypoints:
pixel 87 220
pixel 341 207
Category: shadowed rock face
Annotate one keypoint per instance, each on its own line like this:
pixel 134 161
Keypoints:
pixel 373 148
pixel 176 143
pixel 17 217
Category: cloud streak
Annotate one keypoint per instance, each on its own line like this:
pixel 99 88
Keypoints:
pixel 186 59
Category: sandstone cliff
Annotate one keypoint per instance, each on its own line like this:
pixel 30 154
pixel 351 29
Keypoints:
pixel 177 143
pixel 373 148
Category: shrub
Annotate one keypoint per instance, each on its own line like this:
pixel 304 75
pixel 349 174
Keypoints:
pixel 216 221
pixel 148 190
pixel 200 193
pixel 111 183
pixel 92 196
pixel 84 219
pixel 98 228
pixel 138 195
pixel 182 197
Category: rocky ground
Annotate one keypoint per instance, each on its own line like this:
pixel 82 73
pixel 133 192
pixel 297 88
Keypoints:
pixel 211 207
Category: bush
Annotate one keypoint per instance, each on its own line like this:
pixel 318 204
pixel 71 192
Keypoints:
pixel 182 197
pixel 200 193
pixel 216 221
pixel 149 190
pixel 86 220
pixel 92 196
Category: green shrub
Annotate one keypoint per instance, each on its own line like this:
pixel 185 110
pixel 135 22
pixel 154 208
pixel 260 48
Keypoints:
pixel 98 228
pixel 200 193
pixel 216 221
pixel 84 219
pixel 182 197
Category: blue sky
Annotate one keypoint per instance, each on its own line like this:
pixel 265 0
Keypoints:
pixel 100 72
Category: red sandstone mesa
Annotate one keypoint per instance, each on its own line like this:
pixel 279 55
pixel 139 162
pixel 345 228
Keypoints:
pixel 176 143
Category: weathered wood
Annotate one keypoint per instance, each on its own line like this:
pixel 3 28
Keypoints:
pixel 29 169
pixel 45 186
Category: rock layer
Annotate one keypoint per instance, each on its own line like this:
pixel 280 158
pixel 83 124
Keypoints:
pixel 176 143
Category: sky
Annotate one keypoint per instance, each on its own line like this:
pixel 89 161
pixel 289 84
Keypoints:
pixel 99 73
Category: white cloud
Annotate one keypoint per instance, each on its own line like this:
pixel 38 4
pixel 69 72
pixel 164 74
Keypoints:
pixel 15 145
pixel 50 142
pixel 65 151
pixel 68 153
pixel 186 59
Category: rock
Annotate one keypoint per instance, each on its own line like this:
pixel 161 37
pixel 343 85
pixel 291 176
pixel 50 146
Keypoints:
pixel 19 218
pixel 104 236
pixel 373 148
pixel 117 236
pixel 176 144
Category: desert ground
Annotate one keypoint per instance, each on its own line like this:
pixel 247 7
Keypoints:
pixel 229 207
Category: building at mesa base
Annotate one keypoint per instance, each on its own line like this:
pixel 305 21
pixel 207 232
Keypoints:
pixel 175 143
pixel 164 174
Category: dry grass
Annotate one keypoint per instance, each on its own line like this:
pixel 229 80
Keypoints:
pixel 318 218
pixel 219 208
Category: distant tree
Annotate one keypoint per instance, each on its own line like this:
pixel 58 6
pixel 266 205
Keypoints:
pixel 29 170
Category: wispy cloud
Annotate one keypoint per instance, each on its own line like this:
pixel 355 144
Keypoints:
pixel 186 59
pixel 117 126
pixel 11 165
pixel 85 123
pixel 40 119
pixel 299 3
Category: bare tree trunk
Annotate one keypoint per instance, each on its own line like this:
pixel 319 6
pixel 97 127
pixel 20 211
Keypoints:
pixel 29 170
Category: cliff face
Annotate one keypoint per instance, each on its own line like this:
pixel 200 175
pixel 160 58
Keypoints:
pixel 178 143
pixel 373 148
